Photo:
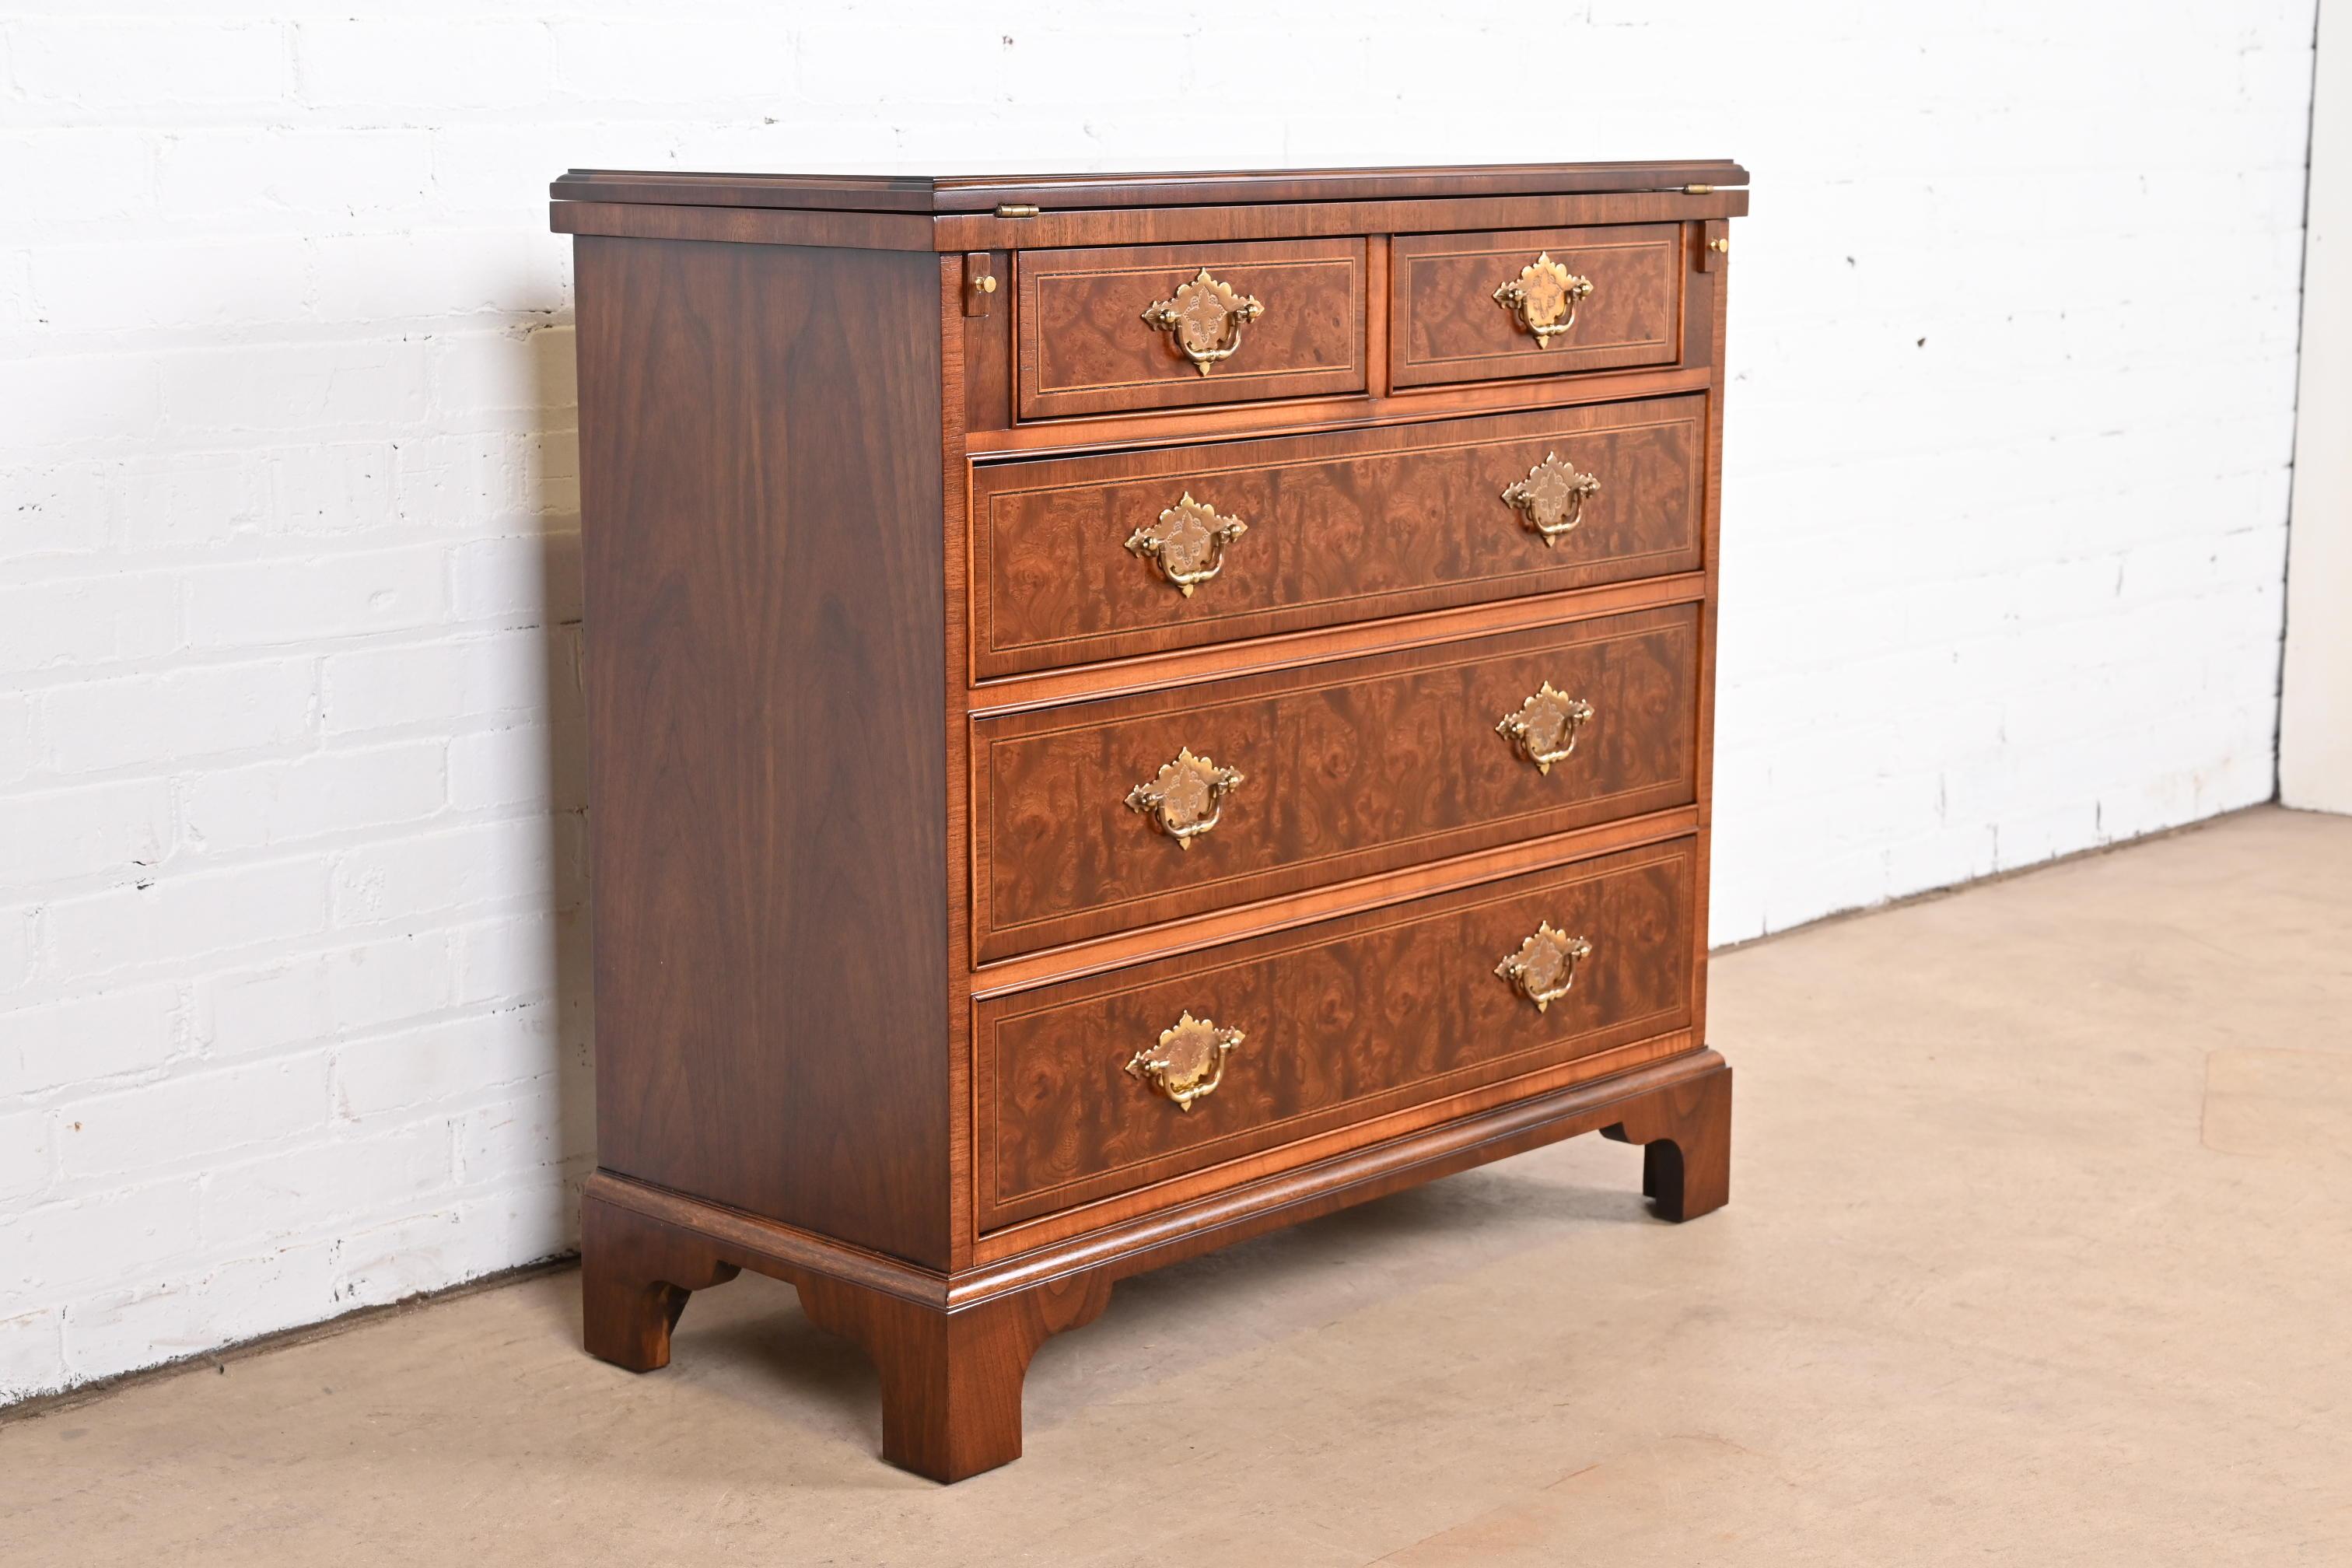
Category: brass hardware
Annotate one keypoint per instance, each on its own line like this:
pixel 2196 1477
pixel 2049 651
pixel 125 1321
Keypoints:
pixel 1544 728
pixel 1187 543
pixel 1544 969
pixel 1206 318
pixel 1720 247
pixel 1551 498
pixel 1544 297
pixel 1185 797
pixel 1016 209
pixel 1189 1062
pixel 1698 189
pixel 986 285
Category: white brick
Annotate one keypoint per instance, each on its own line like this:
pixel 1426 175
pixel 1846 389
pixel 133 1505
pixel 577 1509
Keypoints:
pixel 32 1349
pixel 114 286
pixel 299 1192
pixel 534 579
pixel 507 375
pixel 87 1039
pixel 28 1155
pixel 625 61
pixel 452 870
pixel 79 400
pixel 325 388
pixel 195 500
pixel 193 1116
pixel 185 714
pixel 328 792
pixel 180 914
pixel 447 1062
pixel 17 953
pixel 52 626
pixel 64 1248
pixel 339 488
pixel 316 1000
pixel 502 767
pixel 58 508
pixel 215 174
pixel 451 682
pixel 91 828
pixel 261 603
pixel 192 62
pixel 20 751
pixel 515 959
pixel 429 64
pixel 51 178
pixel 518 1138
pixel 372 277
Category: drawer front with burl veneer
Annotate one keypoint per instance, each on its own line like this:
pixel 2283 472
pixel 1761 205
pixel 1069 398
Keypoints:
pixel 1109 815
pixel 1171 326
pixel 1097 1085
pixel 1080 559
pixel 1482 307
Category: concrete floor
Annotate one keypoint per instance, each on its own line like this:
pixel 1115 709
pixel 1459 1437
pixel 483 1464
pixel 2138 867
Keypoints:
pixel 2039 1250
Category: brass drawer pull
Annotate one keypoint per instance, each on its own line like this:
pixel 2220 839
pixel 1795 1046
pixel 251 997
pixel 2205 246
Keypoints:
pixel 1544 969
pixel 1187 543
pixel 1551 498
pixel 1544 728
pixel 1206 318
pixel 1543 297
pixel 1186 799
pixel 1188 1063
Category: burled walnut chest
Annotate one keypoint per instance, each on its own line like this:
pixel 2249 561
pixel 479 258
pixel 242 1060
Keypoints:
pixel 1125 711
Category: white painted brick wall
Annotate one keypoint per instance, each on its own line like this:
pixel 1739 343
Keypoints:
pixel 292 1002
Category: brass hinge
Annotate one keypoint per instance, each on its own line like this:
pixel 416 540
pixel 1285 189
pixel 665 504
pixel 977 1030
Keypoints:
pixel 1698 189
pixel 1016 209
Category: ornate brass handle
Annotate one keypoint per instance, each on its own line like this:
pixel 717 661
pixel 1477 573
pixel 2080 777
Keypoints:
pixel 1544 969
pixel 1544 297
pixel 1206 318
pixel 1189 1062
pixel 1186 797
pixel 1187 543
pixel 1544 728
pixel 1552 496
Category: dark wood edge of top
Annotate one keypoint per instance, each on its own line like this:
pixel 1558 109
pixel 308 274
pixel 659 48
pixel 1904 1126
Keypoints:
pixel 889 194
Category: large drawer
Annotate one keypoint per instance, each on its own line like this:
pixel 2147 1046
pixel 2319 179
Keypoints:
pixel 1447 325
pixel 1346 768
pixel 1088 558
pixel 1339 1023
pixel 1288 320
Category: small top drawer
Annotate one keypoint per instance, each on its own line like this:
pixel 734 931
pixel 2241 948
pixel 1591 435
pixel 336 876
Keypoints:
pixel 1479 307
pixel 1169 326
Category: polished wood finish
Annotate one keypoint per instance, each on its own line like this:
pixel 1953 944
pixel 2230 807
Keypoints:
pixel 871 673
pixel 759 476
pixel 1344 1020
pixel 1348 769
pixel 1446 325
pixel 1085 347
pixel 1342 527
pixel 925 194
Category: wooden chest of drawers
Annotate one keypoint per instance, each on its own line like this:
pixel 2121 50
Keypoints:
pixel 1127 711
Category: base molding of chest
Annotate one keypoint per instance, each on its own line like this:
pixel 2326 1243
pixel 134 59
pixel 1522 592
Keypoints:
pixel 953 1349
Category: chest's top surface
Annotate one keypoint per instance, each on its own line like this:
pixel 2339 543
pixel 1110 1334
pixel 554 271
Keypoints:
pixel 897 193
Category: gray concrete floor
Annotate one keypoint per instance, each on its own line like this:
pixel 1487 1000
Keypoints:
pixel 2040 1250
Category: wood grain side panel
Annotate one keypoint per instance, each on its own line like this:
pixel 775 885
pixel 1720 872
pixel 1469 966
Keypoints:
pixel 1344 1021
pixel 1351 768
pixel 1446 326
pixel 1084 348
pixel 761 487
pixel 1341 527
